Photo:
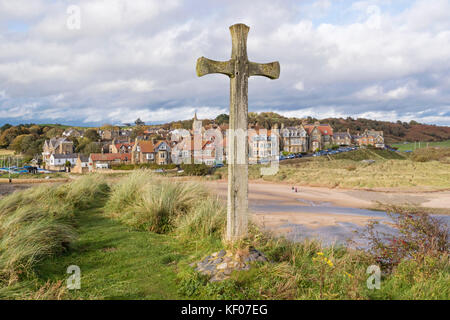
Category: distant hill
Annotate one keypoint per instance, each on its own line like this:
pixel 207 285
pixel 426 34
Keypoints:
pixel 393 131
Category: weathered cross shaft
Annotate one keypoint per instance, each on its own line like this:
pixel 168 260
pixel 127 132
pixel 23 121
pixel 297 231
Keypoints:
pixel 238 68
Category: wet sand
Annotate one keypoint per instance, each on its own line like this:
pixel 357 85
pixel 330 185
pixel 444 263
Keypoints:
pixel 329 214
pixel 22 184
pixel 6 189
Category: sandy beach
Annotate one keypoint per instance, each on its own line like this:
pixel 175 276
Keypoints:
pixel 277 208
pixel 340 197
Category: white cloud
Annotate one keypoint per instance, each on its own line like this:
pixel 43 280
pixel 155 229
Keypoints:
pixel 378 93
pixel 138 57
pixel 299 86
pixel 24 9
pixel 134 85
pixel 322 4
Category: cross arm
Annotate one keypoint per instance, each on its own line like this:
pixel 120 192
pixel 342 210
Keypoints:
pixel 207 66
pixel 269 70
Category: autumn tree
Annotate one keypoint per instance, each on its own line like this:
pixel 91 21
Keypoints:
pixel 92 135
pixel 54 132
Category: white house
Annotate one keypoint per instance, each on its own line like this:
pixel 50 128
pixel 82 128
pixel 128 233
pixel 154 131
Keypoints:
pixel 57 161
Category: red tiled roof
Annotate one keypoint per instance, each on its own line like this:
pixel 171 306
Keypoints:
pixel 110 156
pixel 322 128
pixel 146 146
pixel 126 144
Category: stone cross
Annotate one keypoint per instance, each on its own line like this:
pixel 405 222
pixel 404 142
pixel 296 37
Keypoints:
pixel 238 68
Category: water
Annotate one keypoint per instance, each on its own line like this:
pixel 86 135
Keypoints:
pixel 343 233
pixel 317 207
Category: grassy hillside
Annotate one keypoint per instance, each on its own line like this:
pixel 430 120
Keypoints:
pixel 137 239
pixel 368 154
pixel 347 170
pixel 393 131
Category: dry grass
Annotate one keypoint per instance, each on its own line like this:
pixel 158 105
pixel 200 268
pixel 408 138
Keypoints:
pixel 352 174
pixel 431 154
pixel 148 202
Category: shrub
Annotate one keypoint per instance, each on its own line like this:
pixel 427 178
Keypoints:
pixel 196 169
pixel 123 167
pixel 417 236
pixel 143 166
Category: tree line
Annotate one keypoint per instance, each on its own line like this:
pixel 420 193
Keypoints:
pixel 28 139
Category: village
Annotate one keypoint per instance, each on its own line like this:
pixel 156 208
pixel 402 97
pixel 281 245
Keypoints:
pixel 302 153
pixel 199 145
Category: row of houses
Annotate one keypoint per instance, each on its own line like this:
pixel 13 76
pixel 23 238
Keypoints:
pixel 138 152
pixel 202 145
pixel 313 137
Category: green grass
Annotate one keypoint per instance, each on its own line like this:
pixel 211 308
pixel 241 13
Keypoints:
pixel 39 223
pixel 116 262
pixel 423 144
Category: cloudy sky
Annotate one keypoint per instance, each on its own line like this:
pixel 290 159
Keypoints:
pixel 123 59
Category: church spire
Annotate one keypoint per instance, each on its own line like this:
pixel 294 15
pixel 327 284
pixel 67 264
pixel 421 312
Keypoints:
pixel 195 115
